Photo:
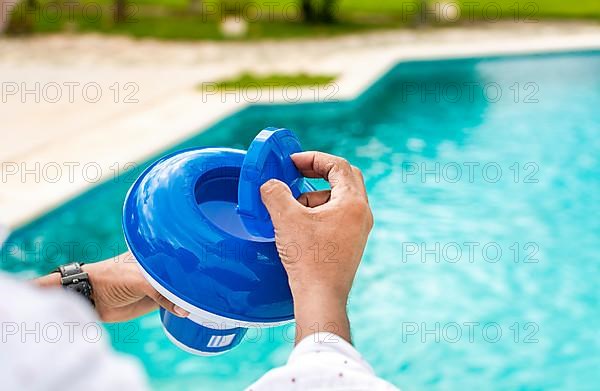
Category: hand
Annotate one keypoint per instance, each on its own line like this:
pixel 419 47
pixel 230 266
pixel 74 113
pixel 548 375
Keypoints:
pixel 119 290
pixel 320 239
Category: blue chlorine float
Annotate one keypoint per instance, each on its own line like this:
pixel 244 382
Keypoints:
pixel 195 223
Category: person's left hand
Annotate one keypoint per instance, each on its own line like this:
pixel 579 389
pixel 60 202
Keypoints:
pixel 119 290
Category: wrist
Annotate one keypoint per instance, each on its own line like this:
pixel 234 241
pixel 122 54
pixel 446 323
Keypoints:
pixel 321 311
pixel 72 277
pixel 317 292
pixel 90 269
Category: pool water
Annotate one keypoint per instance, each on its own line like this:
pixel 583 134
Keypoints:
pixel 483 266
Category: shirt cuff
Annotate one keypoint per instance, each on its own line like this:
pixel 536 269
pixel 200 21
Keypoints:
pixel 328 344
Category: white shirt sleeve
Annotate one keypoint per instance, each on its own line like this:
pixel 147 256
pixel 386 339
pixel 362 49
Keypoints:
pixel 322 361
pixel 51 340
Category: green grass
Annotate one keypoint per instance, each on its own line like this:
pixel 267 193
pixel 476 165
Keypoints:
pixel 169 19
pixel 543 9
pixel 248 80
pixel 172 19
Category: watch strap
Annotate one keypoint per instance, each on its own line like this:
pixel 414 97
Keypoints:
pixel 73 278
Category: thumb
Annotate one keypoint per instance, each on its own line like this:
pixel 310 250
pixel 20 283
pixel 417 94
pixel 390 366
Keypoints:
pixel 278 198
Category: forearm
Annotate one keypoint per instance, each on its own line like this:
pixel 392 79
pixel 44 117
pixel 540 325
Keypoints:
pixel 94 271
pixel 49 280
pixel 118 289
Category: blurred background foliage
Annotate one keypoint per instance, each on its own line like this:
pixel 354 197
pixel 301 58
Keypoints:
pixel 255 19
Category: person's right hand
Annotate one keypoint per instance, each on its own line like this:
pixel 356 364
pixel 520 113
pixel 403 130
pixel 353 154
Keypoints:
pixel 320 239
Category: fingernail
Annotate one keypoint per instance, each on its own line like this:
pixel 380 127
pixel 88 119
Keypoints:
pixel 180 311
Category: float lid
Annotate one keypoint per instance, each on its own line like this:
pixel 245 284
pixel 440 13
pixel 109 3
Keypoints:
pixel 268 157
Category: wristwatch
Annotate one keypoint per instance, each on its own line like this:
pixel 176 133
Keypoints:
pixel 75 279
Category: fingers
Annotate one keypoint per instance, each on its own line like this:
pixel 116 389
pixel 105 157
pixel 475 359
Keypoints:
pixel 361 180
pixel 278 199
pixel 137 309
pixel 142 307
pixel 165 303
pixel 314 198
pixel 342 177
pixel 320 165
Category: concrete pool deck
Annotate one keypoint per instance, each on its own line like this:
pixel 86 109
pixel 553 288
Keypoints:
pixel 78 110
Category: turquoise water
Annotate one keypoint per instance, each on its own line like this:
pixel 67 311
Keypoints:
pixel 487 280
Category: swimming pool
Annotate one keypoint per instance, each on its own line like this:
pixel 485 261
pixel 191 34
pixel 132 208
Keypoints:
pixel 482 270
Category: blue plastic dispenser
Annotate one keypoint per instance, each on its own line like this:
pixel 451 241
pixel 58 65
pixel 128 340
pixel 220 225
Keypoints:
pixel 196 225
